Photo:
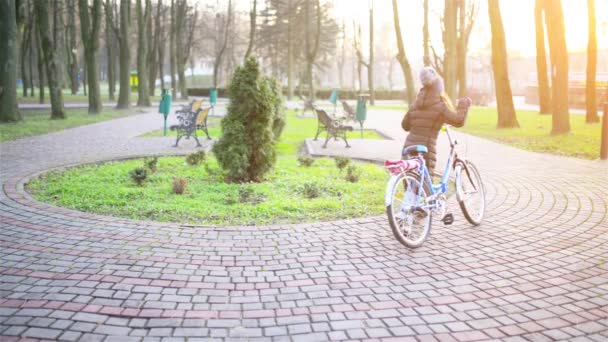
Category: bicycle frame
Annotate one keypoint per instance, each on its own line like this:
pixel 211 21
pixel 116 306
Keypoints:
pixel 425 177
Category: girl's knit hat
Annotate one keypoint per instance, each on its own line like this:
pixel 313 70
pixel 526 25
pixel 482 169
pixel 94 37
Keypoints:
pixel 429 78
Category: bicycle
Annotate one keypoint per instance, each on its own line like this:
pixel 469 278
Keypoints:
pixel 412 199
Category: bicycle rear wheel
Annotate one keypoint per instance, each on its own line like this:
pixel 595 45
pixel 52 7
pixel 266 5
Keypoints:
pixel 470 192
pixel 408 214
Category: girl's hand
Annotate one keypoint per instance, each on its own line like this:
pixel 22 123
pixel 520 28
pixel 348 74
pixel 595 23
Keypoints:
pixel 464 102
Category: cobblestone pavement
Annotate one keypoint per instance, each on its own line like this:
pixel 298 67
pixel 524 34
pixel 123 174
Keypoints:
pixel 534 270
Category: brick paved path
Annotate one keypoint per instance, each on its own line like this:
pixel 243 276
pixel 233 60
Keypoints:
pixel 535 270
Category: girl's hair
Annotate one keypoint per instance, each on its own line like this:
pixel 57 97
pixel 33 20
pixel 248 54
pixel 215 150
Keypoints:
pixel 446 100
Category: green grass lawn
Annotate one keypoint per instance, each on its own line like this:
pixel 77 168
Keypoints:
pixel 534 133
pixel 39 122
pixel 107 189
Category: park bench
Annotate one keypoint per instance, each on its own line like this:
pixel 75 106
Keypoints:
pixel 349 111
pixel 334 127
pixel 190 120
pixel 308 105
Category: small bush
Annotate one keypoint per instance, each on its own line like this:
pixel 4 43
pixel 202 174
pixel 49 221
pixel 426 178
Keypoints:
pixel 305 160
pixel 248 195
pixel 179 185
pixel 139 175
pixel 151 164
pixel 311 190
pixel 196 158
pixel 342 162
pixel 352 174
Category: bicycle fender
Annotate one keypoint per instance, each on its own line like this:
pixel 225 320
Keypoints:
pixel 392 182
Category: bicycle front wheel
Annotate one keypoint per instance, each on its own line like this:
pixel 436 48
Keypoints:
pixel 470 192
pixel 408 213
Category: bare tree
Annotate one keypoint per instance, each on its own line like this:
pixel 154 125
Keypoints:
pixel 220 50
pixel 90 24
pixel 370 66
pixel 591 102
pixel 312 47
pixel 360 60
pixel 559 67
pixel 252 25
pixel 341 59
pixel 402 58
pixel 40 62
pixel 544 93
pixel 186 18
pixel 161 46
pixel 467 13
pixel 25 47
pixel 123 36
pixel 143 16
pixel 50 57
pixel 450 43
pixel 425 34
pixel 110 8
pixel 504 97
pixel 71 45
pixel 154 36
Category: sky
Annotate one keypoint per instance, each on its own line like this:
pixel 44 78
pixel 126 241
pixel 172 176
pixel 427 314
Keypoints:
pixel 517 15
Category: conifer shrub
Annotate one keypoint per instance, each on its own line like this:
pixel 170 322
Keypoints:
pixel 246 150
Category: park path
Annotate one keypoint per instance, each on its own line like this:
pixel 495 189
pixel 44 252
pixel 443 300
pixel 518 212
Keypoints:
pixel 536 269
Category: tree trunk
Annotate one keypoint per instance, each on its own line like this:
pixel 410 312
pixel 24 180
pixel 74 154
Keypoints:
pixel 461 49
pixel 110 41
pixel 155 42
pixel 180 49
pixel 72 47
pixel 161 53
pixel 402 58
pixel 59 41
pixel 559 67
pixel 84 77
pixel 31 52
pixel 290 52
pixel 590 100
pixel 370 66
pixel 90 24
pixel 311 52
pixel 425 35
pixel 544 93
pixel 8 62
pixel 252 17
pixel 23 52
pixel 124 94
pixel 50 57
pixel 40 60
pixel 451 47
pixel 218 58
pixel 143 15
pixel 172 62
pixel 504 98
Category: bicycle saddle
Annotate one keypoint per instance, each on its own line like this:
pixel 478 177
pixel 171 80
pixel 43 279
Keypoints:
pixel 414 149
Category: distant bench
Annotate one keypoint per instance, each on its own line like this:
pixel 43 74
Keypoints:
pixel 334 127
pixel 190 120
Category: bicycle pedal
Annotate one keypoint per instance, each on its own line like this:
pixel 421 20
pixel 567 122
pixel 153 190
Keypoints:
pixel 448 219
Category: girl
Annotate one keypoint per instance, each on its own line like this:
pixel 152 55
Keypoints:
pixel 429 112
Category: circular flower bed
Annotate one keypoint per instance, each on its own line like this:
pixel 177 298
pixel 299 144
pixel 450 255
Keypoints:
pixel 177 191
